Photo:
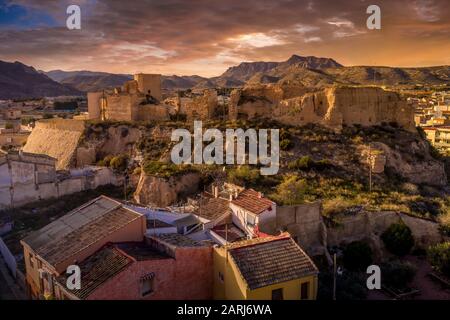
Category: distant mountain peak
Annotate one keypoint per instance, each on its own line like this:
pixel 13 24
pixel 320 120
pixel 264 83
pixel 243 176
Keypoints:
pixel 17 80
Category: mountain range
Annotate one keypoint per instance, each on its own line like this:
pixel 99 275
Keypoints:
pixel 19 81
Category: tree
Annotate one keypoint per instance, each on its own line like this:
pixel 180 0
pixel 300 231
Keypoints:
pixel 119 163
pixel 357 256
pixel 439 257
pixel 398 239
pixel 398 274
pixel 291 191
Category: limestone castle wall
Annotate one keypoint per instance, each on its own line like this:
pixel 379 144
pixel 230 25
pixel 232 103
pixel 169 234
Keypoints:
pixel 94 104
pixel 332 107
pixel 201 107
pixel 127 103
pixel 122 107
pixel 150 82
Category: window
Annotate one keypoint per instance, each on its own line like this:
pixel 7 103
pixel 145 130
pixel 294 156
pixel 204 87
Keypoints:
pixel 304 291
pixel 147 284
pixel 277 294
pixel 221 277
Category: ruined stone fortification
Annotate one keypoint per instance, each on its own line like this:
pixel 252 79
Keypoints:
pixel 331 107
pixel 305 224
pixel 164 192
pixel 202 107
pixel 368 226
pixel 129 102
pixel 57 138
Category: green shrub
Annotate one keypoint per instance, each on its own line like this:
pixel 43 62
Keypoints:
pixel 107 160
pixel 357 256
pixel 165 170
pixel 302 163
pixel 244 175
pixel 397 274
pixel 349 286
pixel 306 163
pixel 119 163
pixel 286 144
pixel 291 191
pixel 439 257
pixel 398 239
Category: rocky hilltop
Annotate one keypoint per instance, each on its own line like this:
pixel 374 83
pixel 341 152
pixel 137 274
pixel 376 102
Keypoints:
pixel 18 80
pixel 333 107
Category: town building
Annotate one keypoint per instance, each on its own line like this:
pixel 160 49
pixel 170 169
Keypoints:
pixel 108 241
pixel 73 238
pixel 250 208
pixel 27 177
pixel 268 268
pixel 439 136
pixel 165 266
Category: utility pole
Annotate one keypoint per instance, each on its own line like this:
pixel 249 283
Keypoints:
pixel 370 169
pixel 334 276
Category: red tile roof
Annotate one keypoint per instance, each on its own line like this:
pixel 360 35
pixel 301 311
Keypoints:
pixel 252 201
pixel 272 260
pixel 97 269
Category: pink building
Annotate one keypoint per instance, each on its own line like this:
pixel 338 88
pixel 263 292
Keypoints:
pixel 166 266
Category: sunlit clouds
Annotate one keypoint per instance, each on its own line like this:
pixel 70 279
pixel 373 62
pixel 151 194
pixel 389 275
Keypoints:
pixel 205 37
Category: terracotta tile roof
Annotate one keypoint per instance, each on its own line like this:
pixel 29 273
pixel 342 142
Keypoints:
pixel 97 269
pixel 252 201
pixel 176 240
pixel 212 208
pixel 79 229
pixel 271 260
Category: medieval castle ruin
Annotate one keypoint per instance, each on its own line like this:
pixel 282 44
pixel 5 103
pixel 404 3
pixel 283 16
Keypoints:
pixel 141 100
pixel 136 100
pixel 332 107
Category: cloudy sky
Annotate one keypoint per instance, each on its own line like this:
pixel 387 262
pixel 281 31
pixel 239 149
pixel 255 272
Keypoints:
pixel 207 36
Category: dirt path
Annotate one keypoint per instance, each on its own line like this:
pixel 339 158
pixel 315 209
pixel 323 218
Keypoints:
pixel 429 288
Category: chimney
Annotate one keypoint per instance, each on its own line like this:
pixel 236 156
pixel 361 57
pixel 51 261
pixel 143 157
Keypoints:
pixel 260 195
pixel 215 191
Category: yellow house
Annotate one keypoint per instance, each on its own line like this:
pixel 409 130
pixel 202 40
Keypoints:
pixel 270 268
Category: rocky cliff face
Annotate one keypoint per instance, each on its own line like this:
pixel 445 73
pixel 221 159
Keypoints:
pixel 428 171
pixel 163 192
pixel 332 107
